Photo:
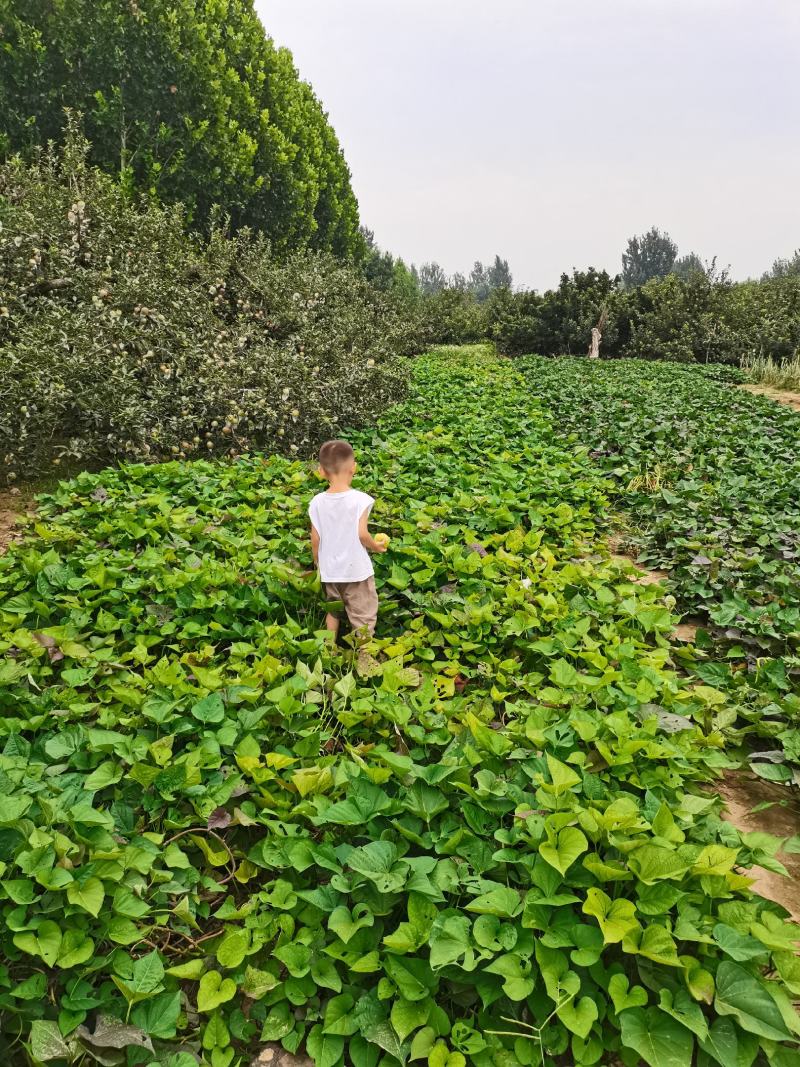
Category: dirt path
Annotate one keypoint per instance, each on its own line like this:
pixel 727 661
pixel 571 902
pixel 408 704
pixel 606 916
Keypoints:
pixel 742 791
pixel 12 506
pixel 782 396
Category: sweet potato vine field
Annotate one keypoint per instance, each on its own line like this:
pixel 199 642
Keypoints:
pixel 708 478
pixel 494 845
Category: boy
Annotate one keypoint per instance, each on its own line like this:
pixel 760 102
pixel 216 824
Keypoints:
pixel 340 540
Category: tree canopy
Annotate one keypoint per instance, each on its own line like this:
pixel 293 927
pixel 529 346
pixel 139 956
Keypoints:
pixel 187 101
pixel 651 255
pixel 785 268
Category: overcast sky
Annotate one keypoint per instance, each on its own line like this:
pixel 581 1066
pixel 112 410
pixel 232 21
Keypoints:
pixel 551 130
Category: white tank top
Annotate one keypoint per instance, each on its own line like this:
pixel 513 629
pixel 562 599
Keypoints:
pixel 335 517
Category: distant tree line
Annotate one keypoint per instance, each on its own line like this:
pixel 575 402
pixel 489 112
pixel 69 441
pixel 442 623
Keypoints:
pixel 391 274
pixel 661 306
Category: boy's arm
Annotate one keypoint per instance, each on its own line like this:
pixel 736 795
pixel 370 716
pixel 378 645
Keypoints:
pixel 315 545
pixel 365 537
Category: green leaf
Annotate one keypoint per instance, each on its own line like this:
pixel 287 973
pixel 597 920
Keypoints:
pixel 500 901
pixel 422 1044
pixel 325 975
pixel 192 969
pixel 88 895
pixel 105 775
pixel 45 942
pixel 296 957
pixel 325 1049
pixel 722 1044
pixel 408 1015
pixel 364 803
pixel 563 778
pixel 564 674
pixel 210 709
pixel 346 924
pixel 75 948
pixel 361 1053
pixel 743 995
pixel 578 1015
pixel 148 973
pixel 425 801
pixel 12 809
pixel 681 1007
pixel 623 995
pixel 159 1015
pixel 214 990
pixel 652 863
pixel 383 1034
pixel 340 1017
pixel 450 940
pixel 257 983
pixel 653 942
pixel 660 1040
pixel 700 984
pixel 617 918
pixel 485 737
pixel 233 947
pixel 563 849
pixel 278 1023
pixel 738 946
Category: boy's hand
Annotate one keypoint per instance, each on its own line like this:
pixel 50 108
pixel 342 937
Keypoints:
pixel 380 542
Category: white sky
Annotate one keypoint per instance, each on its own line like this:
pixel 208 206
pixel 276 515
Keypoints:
pixel 549 131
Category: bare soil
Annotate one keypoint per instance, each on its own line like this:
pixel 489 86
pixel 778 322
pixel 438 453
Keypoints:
pixel 272 1055
pixel 12 507
pixel 686 631
pixel 782 396
pixel 741 791
pixel 616 548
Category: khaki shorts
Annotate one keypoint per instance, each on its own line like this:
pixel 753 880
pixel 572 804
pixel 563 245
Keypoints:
pixel 360 601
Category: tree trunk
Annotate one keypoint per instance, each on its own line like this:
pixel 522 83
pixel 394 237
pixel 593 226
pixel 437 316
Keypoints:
pixel 594 347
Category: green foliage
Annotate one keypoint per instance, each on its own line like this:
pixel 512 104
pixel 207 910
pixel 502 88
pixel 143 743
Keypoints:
pixel 785 268
pixel 706 318
pixel 123 338
pixel 447 310
pixel 558 322
pixel 189 102
pixel 485 279
pixel 453 316
pixel 691 263
pixel 652 255
pixel 483 850
pixel 722 517
pixel 697 316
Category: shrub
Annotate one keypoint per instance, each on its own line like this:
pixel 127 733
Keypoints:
pixel 560 321
pixel 124 338
pixel 705 318
pixel 702 317
pixel 453 316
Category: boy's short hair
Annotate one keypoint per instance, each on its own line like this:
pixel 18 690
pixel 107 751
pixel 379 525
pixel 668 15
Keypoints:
pixel 334 455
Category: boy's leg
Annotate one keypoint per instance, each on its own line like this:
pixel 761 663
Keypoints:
pixel 361 603
pixel 332 592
